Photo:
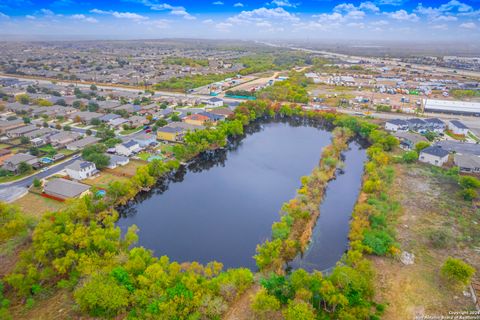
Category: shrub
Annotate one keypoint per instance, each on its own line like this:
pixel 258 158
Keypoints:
pixel 440 238
pixel 378 240
pixel 457 272
pixel 421 145
pixel 469 182
pixel 410 156
pixel 469 194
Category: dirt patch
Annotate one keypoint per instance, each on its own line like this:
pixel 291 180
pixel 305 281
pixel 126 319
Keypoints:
pixel 36 205
pixel 430 205
pixel 240 309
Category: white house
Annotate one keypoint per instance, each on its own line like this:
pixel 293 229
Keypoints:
pixel 127 148
pixel 116 161
pixel 81 169
pixel 215 102
pixel 396 125
pixel 434 155
pixel 458 127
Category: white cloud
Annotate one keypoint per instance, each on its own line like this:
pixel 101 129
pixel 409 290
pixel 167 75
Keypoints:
pixel 439 26
pixel 159 23
pixel 3 16
pixel 30 17
pixel 468 25
pixel 455 5
pixel 121 15
pixel 174 10
pixel 218 3
pixel 282 3
pixel 403 15
pixel 380 23
pixel 208 21
pixel 224 26
pixel 83 17
pixel 262 14
pixel 238 5
pixel 47 12
pixel 369 6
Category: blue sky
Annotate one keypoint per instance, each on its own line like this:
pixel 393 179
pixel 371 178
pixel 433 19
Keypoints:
pixel 245 19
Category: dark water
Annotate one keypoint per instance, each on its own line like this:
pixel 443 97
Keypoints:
pixel 330 235
pixel 220 208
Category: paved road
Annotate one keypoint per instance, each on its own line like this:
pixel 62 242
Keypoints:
pixel 11 191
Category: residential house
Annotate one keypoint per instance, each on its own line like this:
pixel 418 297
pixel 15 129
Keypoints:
pixel 172 134
pixel 82 143
pixel 225 112
pixel 458 128
pixel 467 163
pixel 128 148
pixel 116 160
pixel 65 189
pixel 434 155
pixel 145 139
pixel 213 118
pixel 214 102
pixel 435 125
pixel 6 125
pixel 108 117
pixel 137 121
pixel 18 132
pixel 396 125
pixel 12 163
pixel 85 116
pixel 115 123
pixel 416 124
pixel 408 140
pixel 38 133
pixel 63 138
pixel 196 119
pixel 81 169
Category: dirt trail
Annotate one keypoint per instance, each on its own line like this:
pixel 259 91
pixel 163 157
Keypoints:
pixel 240 309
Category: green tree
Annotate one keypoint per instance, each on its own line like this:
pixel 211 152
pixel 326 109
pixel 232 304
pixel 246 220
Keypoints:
pixel 24 168
pixel 37 183
pixel 265 305
pixel 93 87
pixel 24 140
pixel 102 296
pixel 421 145
pixel 299 310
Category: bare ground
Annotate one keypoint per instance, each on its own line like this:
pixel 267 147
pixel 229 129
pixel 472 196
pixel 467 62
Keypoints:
pixel 429 203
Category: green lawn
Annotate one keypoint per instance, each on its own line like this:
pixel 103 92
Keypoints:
pixel 144 155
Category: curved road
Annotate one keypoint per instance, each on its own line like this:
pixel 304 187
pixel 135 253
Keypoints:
pixel 10 191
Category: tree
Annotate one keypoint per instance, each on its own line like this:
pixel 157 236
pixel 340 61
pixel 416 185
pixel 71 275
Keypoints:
pixel 265 305
pixel 457 272
pixel 23 98
pixel 410 156
pixel 299 310
pixel 95 122
pixel 24 140
pixel 67 128
pixel 161 123
pixel 89 132
pixel 34 151
pixel 469 182
pixel 93 106
pixel 24 168
pixel 95 154
pixel 175 118
pixel 93 87
pixel 37 183
pixel 102 296
pixel 421 145
pixel 61 102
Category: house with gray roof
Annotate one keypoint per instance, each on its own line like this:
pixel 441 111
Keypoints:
pixel 458 128
pixel 82 143
pixel 12 163
pixel 65 189
pixel 434 155
pixel 467 163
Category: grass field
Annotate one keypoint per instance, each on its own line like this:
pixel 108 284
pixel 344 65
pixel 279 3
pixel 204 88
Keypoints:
pixel 103 180
pixel 36 205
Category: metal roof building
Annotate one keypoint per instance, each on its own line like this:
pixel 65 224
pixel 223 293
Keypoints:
pixel 454 107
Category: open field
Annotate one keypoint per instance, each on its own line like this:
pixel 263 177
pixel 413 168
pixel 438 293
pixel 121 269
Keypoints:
pixel 102 180
pixel 36 205
pixel 431 207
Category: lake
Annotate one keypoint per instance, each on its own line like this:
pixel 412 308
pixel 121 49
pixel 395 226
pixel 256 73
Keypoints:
pixel 223 204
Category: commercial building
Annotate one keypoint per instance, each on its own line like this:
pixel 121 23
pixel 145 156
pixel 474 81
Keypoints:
pixel 452 107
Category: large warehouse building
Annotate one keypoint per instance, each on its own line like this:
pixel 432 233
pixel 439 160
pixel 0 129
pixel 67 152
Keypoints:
pixel 454 107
